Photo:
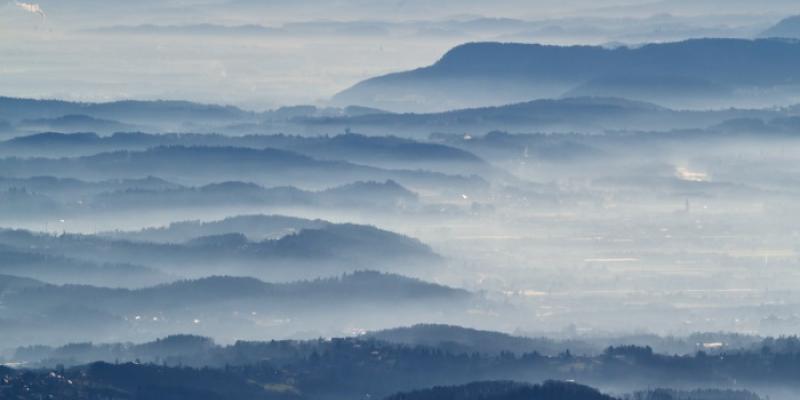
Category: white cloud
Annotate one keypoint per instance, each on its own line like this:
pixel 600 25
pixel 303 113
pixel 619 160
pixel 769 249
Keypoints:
pixel 32 8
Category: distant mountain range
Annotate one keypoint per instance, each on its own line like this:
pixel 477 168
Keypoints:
pixel 369 150
pixel 194 29
pixel 787 28
pixel 653 26
pixel 595 104
pixel 204 165
pixel 24 115
pixel 680 73
pixel 146 113
pixel 567 115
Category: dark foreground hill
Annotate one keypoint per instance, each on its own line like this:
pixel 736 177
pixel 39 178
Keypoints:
pixel 500 390
pixel 346 368
pixel 140 382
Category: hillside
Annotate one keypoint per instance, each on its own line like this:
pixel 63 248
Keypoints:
pixel 329 247
pixel 146 112
pixel 205 164
pixel 353 147
pixel 563 115
pixel 363 286
pixel 458 339
pixel 55 268
pixel 788 28
pixel 255 227
pixel 481 74
pixel 497 390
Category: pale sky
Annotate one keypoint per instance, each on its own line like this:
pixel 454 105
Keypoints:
pixel 303 52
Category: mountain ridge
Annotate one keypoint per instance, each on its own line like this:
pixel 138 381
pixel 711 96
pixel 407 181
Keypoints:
pixel 511 72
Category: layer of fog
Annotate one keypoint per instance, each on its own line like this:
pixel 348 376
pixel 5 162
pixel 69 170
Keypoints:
pixel 668 233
